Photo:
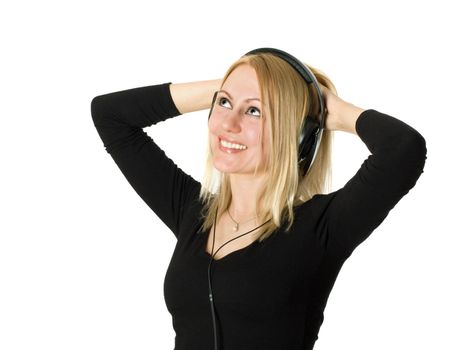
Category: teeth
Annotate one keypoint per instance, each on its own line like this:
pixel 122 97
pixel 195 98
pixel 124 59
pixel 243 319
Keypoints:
pixel 232 145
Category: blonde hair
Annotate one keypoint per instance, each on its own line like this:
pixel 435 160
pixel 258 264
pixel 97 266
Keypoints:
pixel 286 100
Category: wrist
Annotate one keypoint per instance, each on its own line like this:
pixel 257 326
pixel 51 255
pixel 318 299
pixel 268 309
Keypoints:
pixel 346 117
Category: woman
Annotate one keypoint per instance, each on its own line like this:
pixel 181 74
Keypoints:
pixel 259 245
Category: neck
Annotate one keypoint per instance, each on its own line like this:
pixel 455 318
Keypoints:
pixel 245 190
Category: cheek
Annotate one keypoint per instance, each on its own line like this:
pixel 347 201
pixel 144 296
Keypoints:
pixel 212 125
pixel 265 143
pixel 254 133
pixel 211 132
pixel 212 135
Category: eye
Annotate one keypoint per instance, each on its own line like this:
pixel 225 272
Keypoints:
pixel 221 99
pixel 257 111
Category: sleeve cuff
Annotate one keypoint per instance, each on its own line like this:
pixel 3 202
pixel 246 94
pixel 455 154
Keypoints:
pixel 170 100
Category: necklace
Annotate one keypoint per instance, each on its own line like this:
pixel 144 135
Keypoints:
pixel 236 226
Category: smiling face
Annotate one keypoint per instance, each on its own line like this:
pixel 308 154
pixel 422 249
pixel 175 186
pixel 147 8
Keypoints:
pixel 237 118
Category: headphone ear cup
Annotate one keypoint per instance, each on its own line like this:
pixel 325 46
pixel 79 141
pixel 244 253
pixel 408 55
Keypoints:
pixel 307 143
pixel 212 104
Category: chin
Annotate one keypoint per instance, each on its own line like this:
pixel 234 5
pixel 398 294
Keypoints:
pixel 224 169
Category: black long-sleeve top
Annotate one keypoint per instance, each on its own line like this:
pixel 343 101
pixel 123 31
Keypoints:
pixel 268 295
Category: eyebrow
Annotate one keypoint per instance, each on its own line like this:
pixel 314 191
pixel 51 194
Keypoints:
pixel 248 99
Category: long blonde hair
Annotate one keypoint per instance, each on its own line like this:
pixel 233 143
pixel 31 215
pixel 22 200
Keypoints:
pixel 286 99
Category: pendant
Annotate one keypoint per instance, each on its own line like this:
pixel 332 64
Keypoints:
pixel 236 227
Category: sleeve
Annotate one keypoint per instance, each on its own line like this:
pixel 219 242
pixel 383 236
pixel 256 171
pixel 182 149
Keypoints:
pixel 398 155
pixel 119 118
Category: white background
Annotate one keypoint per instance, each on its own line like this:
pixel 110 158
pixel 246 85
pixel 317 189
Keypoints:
pixel 82 257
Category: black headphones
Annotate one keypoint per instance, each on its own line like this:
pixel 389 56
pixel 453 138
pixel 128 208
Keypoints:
pixel 313 125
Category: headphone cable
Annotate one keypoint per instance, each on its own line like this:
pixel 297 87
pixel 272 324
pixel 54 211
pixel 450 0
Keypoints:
pixel 210 290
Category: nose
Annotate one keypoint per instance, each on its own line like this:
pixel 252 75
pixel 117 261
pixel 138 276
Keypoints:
pixel 231 122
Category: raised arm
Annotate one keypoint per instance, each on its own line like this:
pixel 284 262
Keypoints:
pixel 194 96
pixel 397 161
pixel 120 117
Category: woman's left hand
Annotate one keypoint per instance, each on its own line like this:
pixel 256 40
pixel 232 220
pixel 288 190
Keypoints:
pixel 339 114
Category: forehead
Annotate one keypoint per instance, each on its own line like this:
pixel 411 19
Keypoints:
pixel 242 82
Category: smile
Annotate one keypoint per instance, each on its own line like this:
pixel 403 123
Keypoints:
pixel 230 150
pixel 232 145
